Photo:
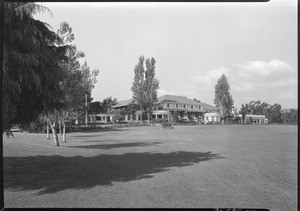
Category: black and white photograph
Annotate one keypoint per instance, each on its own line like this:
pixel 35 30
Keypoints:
pixel 150 105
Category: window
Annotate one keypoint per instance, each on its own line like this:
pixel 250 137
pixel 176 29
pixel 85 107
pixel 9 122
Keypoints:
pixel 98 118
pixel 176 105
pixel 192 107
pixel 183 106
pixel 168 105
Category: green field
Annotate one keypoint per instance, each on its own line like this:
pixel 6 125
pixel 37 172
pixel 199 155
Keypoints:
pixel 203 166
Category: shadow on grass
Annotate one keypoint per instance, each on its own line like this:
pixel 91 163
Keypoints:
pixel 111 146
pixel 98 129
pixel 50 174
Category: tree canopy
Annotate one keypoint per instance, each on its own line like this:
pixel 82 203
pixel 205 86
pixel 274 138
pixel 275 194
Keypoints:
pixel 137 88
pixel 31 65
pixel 272 112
pixel 145 85
pixel 223 99
pixel 41 70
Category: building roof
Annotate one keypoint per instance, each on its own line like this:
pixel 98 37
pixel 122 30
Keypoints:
pixel 208 107
pixel 184 100
pixel 171 99
pixel 123 103
pixel 177 99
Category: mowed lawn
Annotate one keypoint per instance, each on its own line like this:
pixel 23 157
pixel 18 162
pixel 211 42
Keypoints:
pixel 203 166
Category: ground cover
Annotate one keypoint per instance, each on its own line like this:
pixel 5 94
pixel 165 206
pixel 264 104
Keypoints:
pixel 245 166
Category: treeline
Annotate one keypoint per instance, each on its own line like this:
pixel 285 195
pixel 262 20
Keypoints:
pixel 274 113
pixel 42 74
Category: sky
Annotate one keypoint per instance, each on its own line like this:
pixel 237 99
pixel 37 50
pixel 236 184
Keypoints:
pixel 253 44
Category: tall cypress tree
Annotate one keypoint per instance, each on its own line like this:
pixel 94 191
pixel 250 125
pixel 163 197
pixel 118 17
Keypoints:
pixel 138 90
pixel 223 99
pixel 151 85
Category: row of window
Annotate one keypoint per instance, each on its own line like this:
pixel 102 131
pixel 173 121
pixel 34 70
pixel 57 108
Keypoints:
pixel 214 119
pixel 176 105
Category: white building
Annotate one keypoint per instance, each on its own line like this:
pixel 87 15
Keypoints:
pixel 166 105
pixel 212 117
pixel 101 118
pixel 255 119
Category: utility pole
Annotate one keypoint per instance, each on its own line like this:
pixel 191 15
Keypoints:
pixel 86 114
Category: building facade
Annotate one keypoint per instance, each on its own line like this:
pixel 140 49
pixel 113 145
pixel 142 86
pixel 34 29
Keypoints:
pixel 101 118
pixel 212 118
pixel 255 119
pixel 168 106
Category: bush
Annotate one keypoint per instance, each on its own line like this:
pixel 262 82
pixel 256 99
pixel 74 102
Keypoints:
pixel 35 127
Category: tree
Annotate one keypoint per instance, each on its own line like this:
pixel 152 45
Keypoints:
pixel 95 107
pixel 272 112
pixel 290 116
pixel 197 100
pixel 130 109
pixel 244 110
pixel 30 65
pixel 145 85
pixel 223 99
pixel 138 91
pixel 151 86
pixel 175 116
pixel 108 103
pixel 78 81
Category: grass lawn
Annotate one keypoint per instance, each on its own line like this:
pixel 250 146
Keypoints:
pixel 203 166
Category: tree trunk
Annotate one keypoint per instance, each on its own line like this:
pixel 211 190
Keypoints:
pixel 55 137
pixel 148 117
pixel 64 133
pixel 48 136
pixel 59 126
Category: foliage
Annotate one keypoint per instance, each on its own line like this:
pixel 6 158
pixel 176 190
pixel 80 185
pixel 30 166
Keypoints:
pixel 290 116
pixel 151 84
pixel 130 109
pixel 145 85
pixel 137 88
pixel 31 67
pixel 175 116
pixel 78 79
pixel 95 107
pixel 223 99
pixel 197 100
pixel 108 103
pixel 272 112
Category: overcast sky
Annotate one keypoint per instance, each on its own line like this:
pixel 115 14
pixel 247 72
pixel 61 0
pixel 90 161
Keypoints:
pixel 253 44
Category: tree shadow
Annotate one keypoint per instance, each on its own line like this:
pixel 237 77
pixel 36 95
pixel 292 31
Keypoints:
pixel 98 129
pixel 111 146
pixel 50 174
